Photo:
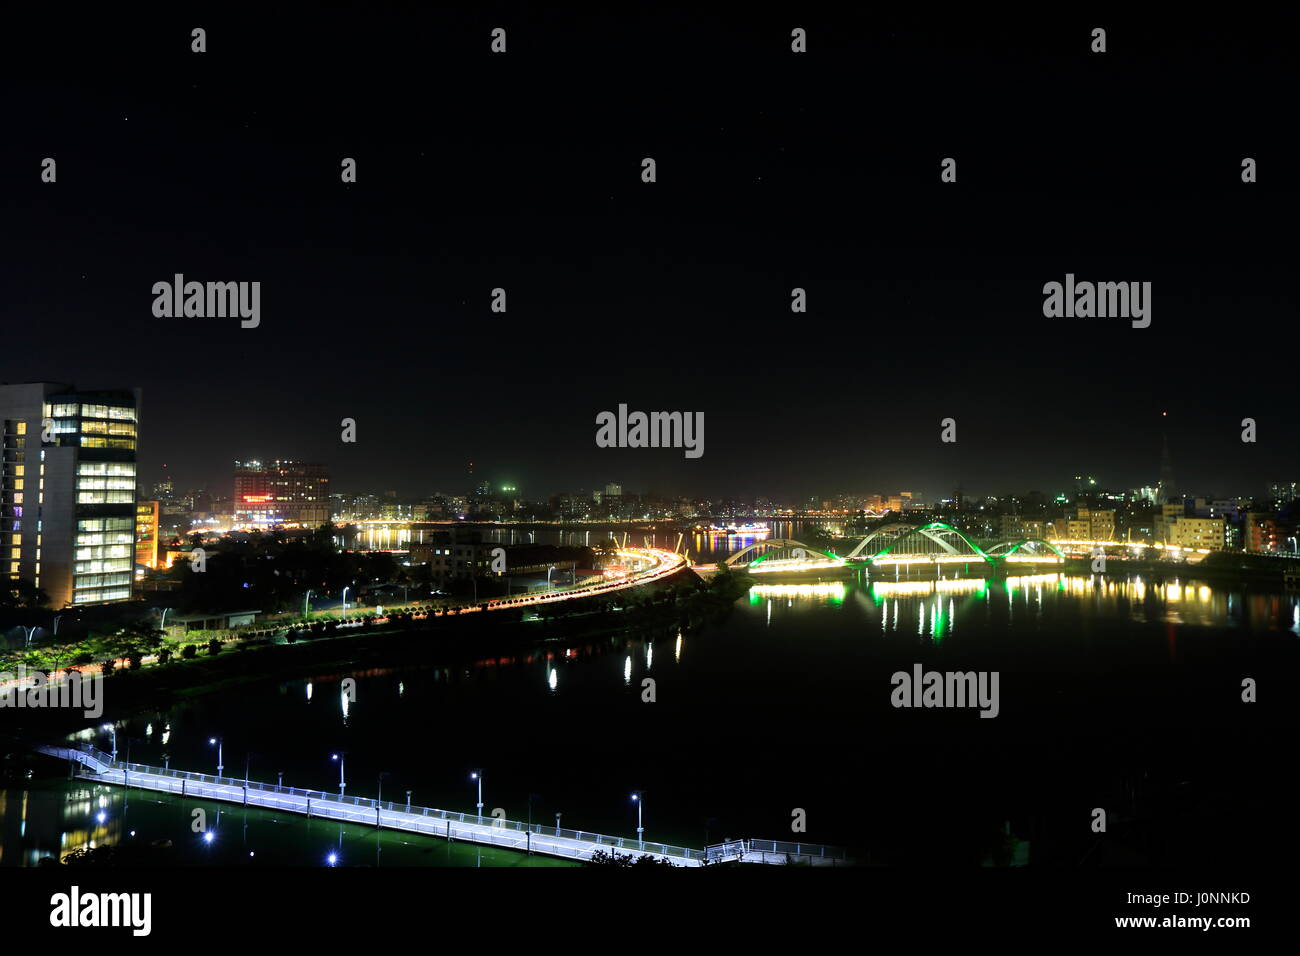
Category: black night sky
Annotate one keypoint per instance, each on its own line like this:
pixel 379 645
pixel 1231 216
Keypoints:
pixel 775 170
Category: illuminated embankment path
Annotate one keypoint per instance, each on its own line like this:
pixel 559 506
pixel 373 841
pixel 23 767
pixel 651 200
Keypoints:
pixel 561 842
pixel 661 564
pixel 658 565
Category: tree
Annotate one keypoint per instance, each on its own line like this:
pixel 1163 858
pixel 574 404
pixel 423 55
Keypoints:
pixel 136 639
pixel 22 594
pixel 613 858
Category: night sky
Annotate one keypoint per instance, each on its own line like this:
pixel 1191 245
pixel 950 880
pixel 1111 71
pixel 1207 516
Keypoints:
pixel 775 170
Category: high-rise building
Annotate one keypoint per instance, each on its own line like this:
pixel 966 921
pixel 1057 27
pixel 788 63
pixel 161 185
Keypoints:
pixel 68 490
pixel 1282 493
pixel 146 534
pixel 281 492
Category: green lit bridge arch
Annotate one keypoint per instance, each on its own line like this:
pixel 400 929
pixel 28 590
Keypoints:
pixel 775 554
pixel 1026 549
pixel 898 540
pixel 894 544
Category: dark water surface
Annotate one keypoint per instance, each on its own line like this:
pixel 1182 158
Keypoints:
pixel 1117 693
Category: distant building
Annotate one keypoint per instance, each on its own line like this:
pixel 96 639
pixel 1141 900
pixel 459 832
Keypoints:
pixel 1100 523
pixel 68 493
pixel 1282 493
pixel 146 534
pixel 1018 527
pixel 1165 516
pixel 1194 533
pixel 451 555
pixel 1262 531
pixel 281 492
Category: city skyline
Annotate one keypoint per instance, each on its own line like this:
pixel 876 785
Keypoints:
pixel 521 436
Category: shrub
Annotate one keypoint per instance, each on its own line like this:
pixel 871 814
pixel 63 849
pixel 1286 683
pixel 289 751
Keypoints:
pixel 214 647
pixel 189 651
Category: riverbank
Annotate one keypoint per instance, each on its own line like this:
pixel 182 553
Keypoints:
pixel 398 641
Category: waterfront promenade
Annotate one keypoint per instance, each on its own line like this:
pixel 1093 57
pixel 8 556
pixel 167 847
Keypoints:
pixel 577 845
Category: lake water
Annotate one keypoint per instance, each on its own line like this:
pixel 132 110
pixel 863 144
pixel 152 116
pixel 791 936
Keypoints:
pixel 1114 692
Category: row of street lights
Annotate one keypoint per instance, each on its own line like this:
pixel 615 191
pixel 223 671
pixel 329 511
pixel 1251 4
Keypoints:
pixel 638 796
pixel 306 600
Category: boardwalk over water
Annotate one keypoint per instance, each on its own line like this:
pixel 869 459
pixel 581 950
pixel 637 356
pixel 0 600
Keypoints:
pixel 561 842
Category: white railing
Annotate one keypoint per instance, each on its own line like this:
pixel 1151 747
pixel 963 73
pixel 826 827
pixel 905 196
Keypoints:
pixel 451 824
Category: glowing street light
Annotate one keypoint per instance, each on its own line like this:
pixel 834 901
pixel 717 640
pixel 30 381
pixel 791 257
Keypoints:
pixel 478 775
pixel 638 799
pixel 112 730
pixel 341 757
pixel 219 743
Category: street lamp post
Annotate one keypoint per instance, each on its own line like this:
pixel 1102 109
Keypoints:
pixel 341 757
pixel 57 618
pixel 380 801
pixel 640 830
pixel 306 602
pixel 219 744
pixel 478 775
pixel 112 730
pixel 345 597
pixel 549 586
pixel 557 824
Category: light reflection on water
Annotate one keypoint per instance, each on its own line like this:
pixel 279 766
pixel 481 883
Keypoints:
pixel 589 713
pixel 937 604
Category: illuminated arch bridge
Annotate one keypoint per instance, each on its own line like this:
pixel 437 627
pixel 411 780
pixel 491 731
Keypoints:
pixel 894 544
